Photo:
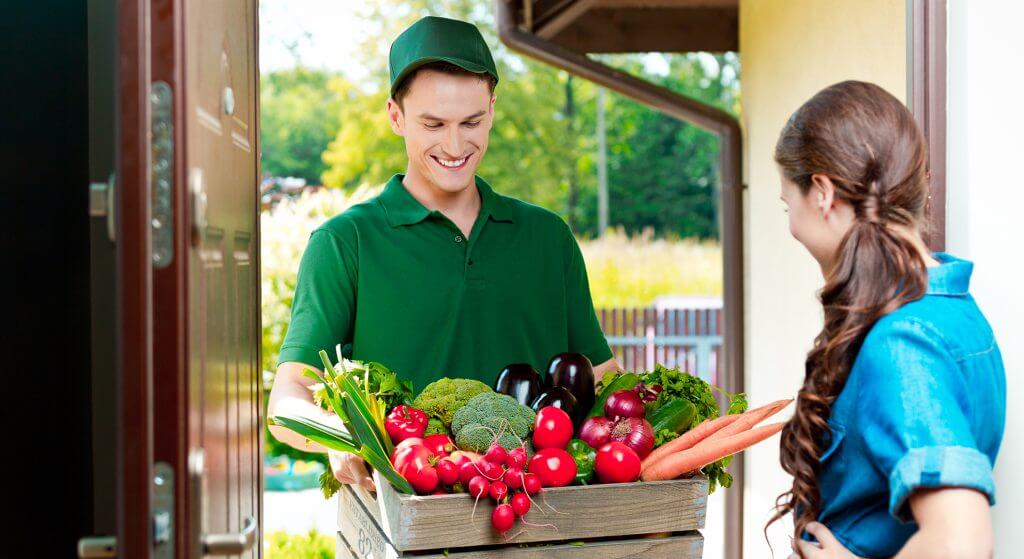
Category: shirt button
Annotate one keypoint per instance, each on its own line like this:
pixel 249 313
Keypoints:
pixel 458 239
pixel 470 262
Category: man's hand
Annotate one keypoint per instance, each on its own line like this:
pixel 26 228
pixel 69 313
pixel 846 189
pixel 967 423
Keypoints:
pixel 350 469
pixel 828 547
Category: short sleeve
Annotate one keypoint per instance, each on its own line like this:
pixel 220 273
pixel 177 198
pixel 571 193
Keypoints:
pixel 323 309
pixel 585 335
pixel 913 414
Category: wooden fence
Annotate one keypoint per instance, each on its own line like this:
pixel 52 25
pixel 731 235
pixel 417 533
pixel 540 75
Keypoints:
pixel 688 338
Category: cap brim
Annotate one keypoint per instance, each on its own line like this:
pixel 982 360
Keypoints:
pixel 416 64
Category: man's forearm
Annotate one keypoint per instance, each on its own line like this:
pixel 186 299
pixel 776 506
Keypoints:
pixel 291 396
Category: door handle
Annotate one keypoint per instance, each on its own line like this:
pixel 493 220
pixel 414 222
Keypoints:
pixel 231 544
pixel 97 548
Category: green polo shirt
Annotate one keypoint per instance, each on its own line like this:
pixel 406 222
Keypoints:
pixel 405 288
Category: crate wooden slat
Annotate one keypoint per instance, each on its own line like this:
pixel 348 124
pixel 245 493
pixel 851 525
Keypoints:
pixel 408 522
pixel 688 545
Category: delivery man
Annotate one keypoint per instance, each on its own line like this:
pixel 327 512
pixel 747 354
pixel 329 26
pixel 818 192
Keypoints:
pixel 439 275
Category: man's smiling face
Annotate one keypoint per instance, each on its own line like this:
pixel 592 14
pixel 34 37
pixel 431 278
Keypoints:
pixel 446 122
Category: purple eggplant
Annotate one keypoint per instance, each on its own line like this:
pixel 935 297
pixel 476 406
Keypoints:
pixel 520 381
pixel 574 372
pixel 559 397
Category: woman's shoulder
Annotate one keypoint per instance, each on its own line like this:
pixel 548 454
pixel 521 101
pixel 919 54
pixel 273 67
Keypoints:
pixel 955 324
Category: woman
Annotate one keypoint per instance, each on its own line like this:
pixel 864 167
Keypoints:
pixel 902 409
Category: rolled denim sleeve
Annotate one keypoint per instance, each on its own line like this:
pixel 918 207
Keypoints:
pixel 914 415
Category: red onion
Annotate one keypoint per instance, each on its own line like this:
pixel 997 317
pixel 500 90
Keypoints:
pixel 624 403
pixel 647 393
pixel 596 431
pixel 635 433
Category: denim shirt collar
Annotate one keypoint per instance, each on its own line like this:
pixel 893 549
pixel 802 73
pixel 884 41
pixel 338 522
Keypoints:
pixel 952 277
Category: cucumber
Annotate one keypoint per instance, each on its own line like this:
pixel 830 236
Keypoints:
pixel 674 415
pixel 625 381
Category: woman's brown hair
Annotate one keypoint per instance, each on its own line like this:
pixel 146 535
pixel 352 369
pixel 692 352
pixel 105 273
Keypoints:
pixel 868 144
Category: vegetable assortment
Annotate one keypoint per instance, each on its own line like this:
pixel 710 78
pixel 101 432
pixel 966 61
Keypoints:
pixel 508 443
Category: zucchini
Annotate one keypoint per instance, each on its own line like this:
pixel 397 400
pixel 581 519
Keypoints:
pixel 673 415
pixel 625 381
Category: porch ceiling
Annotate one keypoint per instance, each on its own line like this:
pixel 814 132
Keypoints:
pixel 610 26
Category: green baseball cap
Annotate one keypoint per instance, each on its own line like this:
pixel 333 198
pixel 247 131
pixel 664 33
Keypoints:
pixel 439 39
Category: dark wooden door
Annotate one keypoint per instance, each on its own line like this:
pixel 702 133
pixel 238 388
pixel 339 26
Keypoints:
pixel 188 280
pixel 223 281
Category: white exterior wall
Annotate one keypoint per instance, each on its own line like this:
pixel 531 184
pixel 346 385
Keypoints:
pixel 985 202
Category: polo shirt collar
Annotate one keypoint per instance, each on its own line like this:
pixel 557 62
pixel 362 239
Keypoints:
pixel 401 208
pixel 951 277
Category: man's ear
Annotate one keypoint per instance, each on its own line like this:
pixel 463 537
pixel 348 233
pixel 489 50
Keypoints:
pixel 396 117
pixel 824 192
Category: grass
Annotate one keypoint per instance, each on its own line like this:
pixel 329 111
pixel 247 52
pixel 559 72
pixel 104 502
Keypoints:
pixel 631 272
pixel 311 545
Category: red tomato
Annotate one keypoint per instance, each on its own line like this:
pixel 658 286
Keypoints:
pixel 552 429
pixel 440 445
pixel 447 472
pixel 554 466
pixel 617 463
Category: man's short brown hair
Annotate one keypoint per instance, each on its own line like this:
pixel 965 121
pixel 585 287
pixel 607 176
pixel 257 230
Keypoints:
pixel 445 68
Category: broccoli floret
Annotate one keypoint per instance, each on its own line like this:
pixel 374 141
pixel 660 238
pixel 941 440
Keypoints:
pixel 435 427
pixel 442 398
pixel 488 414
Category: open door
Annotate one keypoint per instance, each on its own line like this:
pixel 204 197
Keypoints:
pixel 189 475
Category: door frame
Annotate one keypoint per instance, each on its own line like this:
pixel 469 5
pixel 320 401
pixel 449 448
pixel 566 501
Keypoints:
pixel 134 317
pixel 926 95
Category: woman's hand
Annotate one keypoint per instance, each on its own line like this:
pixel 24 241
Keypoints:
pixel 350 469
pixel 828 547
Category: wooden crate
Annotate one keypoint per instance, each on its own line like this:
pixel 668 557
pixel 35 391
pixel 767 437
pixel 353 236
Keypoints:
pixel 395 525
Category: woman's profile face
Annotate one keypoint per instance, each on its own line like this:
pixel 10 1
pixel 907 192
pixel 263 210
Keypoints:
pixel 814 220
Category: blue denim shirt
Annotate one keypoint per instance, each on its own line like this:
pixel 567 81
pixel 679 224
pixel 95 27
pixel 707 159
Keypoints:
pixel 924 406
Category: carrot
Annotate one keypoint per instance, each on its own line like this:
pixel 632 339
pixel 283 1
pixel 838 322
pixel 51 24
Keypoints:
pixel 710 451
pixel 750 418
pixel 689 439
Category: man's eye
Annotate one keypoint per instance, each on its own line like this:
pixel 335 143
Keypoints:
pixel 432 126
pixel 472 124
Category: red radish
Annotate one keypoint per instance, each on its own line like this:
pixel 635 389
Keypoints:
pixel 496 453
pixel 468 471
pixel 516 458
pixel 490 469
pixel 531 484
pixel 503 518
pixel 447 472
pixel 439 491
pixel 479 486
pixel 498 491
pixel 554 466
pixel 440 445
pixel 552 428
pixel 635 433
pixel 596 431
pixel 617 463
pixel 513 478
pixel 520 504
pixel 624 403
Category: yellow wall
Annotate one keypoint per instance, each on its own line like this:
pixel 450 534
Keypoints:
pixel 790 49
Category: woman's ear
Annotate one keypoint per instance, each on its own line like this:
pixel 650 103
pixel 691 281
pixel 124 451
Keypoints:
pixel 824 192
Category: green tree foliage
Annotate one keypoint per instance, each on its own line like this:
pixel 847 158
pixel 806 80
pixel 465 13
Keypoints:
pixel 298 117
